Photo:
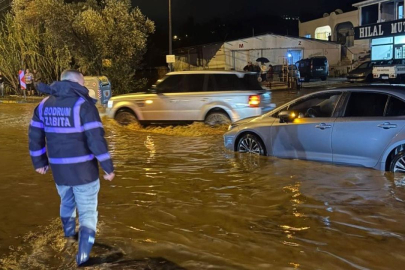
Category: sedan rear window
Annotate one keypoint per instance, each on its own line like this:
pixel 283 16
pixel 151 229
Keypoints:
pixel 366 105
pixel 395 107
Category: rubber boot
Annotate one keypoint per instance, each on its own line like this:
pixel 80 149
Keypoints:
pixel 69 226
pixel 86 241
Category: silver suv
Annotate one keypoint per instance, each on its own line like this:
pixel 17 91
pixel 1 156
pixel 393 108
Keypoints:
pixel 215 97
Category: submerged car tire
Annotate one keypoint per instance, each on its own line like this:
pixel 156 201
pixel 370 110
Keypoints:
pixel 398 163
pixel 307 79
pixel 217 119
pixel 250 143
pixel 125 117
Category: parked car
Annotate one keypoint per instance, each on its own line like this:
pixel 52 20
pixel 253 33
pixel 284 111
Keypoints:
pixel 354 126
pixel 392 71
pixel 363 73
pixel 215 97
pixel 314 68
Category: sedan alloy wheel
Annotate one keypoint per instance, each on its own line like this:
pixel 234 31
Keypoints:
pixel 250 143
pixel 398 163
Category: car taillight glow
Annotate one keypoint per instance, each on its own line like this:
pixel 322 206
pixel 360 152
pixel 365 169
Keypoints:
pixel 254 101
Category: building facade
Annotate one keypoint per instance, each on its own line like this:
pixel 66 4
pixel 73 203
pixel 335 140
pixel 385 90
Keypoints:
pixel 234 55
pixel 382 26
pixel 336 26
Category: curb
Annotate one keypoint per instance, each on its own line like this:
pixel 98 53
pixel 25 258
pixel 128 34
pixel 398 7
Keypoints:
pixel 4 101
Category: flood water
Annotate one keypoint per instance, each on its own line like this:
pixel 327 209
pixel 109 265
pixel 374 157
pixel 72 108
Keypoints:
pixel 181 201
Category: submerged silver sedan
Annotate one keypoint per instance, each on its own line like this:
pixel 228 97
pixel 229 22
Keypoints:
pixel 361 126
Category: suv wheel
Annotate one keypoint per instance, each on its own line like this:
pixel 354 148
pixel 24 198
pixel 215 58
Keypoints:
pixel 323 78
pixel 250 143
pixel 217 118
pixel 398 163
pixel 125 117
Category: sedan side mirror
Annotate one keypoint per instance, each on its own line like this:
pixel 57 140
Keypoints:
pixel 287 116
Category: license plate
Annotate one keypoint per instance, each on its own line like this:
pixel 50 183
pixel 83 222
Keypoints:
pixel 385 77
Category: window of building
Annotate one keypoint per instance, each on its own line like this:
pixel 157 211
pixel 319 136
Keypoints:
pixel 400 11
pixel 369 14
pixel 382 52
pixel 323 33
pixel 382 41
pixel 382 48
pixel 388 11
pixel 399 50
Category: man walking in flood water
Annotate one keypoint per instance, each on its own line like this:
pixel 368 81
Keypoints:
pixel 66 133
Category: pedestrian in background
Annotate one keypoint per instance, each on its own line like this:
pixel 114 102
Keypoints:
pixel 249 67
pixel 263 69
pixel 37 80
pixel 66 133
pixel 1 84
pixel 29 80
pixel 270 74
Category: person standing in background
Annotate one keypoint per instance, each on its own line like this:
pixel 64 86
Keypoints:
pixel 263 69
pixel 270 74
pixel 249 67
pixel 37 79
pixel 29 80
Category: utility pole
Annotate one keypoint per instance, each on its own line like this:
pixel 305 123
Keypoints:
pixel 170 32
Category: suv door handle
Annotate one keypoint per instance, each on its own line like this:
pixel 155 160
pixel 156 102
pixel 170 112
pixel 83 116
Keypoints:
pixel 323 126
pixel 387 125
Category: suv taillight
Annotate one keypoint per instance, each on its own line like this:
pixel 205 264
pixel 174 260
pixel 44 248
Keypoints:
pixel 254 101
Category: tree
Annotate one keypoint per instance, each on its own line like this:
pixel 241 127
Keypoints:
pixel 84 35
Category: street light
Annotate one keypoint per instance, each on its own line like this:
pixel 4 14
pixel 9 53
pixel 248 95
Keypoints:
pixel 170 32
pixel 170 27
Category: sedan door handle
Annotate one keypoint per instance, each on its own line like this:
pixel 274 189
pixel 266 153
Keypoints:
pixel 387 125
pixel 323 126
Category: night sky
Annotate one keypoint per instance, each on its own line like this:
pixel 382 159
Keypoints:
pixel 203 10
pixel 207 21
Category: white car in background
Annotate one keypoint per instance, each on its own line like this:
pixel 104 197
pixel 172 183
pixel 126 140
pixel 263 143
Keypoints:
pixel 214 97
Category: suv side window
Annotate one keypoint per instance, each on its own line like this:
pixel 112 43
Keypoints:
pixel 172 84
pixel 321 105
pixel 224 82
pixel 396 107
pixel 194 82
pixel 366 105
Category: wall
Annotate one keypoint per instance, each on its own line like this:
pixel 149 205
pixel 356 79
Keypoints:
pixel 209 56
pixel 332 20
pixel 276 48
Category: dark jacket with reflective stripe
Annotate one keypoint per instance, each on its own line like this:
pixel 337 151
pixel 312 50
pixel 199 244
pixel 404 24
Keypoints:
pixel 66 132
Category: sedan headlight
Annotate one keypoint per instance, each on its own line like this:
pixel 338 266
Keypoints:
pixel 110 104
